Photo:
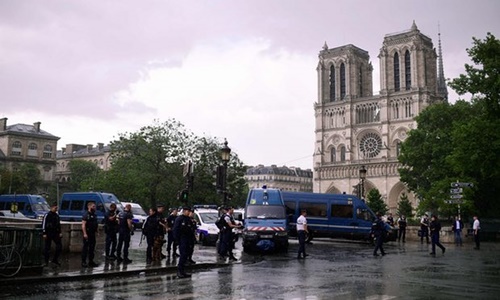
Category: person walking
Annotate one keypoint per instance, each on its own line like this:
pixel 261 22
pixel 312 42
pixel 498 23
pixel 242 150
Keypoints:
pixel 402 228
pixel 476 227
pixel 424 229
pixel 111 229
pixel 183 232
pixel 457 227
pixel 51 226
pixel 170 233
pixel 125 230
pixel 149 230
pixel 89 229
pixel 379 232
pixel 302 230
pixel 435 228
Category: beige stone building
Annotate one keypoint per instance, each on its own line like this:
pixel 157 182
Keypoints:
pixel 284 178
pixel 22 143
pixel 99 155
pixel 355 128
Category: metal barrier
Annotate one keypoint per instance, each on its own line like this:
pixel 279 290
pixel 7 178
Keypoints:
pixel 28 242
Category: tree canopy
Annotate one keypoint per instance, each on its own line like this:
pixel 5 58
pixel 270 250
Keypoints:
pixel 461 141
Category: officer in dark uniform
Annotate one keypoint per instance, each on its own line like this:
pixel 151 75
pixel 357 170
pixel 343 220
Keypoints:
pixel 379 232
pixel 89 229
pixel 150 229
pixel 111 228
pixel 51 226
pixel 170 233
pixel 183 231
pixel 435 228
pixel 126 229
pixel 193 239
pixel 162 229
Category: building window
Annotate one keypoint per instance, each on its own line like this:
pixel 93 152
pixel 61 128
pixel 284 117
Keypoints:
pixel 17 148
pixel 47 151
pixel 332 83
pixel 32 149
pixel 398 148
pixel 342 153
pixel 333 155
pixel 407 70
pixel 342 81
pixel 397 83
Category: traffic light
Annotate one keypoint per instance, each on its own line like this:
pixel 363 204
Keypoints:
pixel 184 196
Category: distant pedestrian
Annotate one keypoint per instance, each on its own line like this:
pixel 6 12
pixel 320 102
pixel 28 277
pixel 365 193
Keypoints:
pixel 402 228
pixel 89 229
pixel 424 229
pixel 379 232
pixel 125 230
pixel 435 228
pixel 111 229
pixel 390 219
pixel 150 229
pixel 302 231
pixel 51 226
pixel 476 227
pixel 457 228
pixel 183 232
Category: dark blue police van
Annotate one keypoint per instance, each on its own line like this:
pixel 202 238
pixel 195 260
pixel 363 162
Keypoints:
pixel 73 205
pixel 32 206
pixel 332 215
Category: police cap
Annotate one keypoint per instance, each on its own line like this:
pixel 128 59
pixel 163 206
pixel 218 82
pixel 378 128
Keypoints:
pixel 187 208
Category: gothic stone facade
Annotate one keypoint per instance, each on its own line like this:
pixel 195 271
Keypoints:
pixel 355 128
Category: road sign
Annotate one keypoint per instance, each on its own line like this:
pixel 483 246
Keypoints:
pixel 456 191
pixel 456 196
pixel 453 201
pixel 461 184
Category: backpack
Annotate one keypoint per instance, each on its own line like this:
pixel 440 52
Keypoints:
pixel 150 227
pixel 221 222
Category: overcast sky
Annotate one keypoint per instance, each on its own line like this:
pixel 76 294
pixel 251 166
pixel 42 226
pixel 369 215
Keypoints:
pixel 241 70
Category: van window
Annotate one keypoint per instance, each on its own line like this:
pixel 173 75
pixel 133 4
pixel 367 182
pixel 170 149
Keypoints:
pixel 20 205
pixel 65 205
pixel 342 211
pixel 317 210
pixel 77 205
pixel 2 205
pixel 265 197
pixel 363 214
pixel 290 207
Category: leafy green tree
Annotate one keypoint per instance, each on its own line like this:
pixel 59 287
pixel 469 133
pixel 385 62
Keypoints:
pixel 375 202
pixel 405 207
pixel 477 143
pixel 83 175
pixel 30 178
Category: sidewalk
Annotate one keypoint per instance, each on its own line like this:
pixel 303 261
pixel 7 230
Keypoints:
pixel 71 268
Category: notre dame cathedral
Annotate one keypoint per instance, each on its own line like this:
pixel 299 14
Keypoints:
pixel 355 128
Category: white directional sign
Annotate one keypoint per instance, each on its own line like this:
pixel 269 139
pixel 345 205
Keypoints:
pixel 453 201
pixel 461 184
pixel 457 196
pixel 456 191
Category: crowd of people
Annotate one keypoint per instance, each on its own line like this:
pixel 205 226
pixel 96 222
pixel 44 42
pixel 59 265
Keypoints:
pixel 181 234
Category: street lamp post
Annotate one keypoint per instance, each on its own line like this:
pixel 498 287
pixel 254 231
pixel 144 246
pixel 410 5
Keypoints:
pixel 225 154
pixel 362 177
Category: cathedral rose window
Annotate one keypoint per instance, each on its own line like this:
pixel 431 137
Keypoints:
pixel 370 145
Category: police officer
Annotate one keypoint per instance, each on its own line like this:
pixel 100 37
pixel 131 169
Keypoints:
pixel 162 229
pixel 170 233
pixel 379 232
pixel 193 239
pixel 424 229
pixel 183 232
pixel 402 228
pixel 89 229
pixel 226 248
pixel 150 229
pixel 125 230
pixel 51 226
pixel 302 230
pixel 435 228
pixel 111 228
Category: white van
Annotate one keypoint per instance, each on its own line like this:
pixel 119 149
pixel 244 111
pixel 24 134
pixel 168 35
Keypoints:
pixel 206 231
pixel 139 214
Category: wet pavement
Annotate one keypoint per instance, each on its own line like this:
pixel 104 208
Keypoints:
pixel 334 270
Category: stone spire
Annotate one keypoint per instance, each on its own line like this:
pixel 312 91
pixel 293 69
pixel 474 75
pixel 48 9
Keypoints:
pixel 441 82
pixel 325 46
pixel 414 26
